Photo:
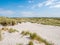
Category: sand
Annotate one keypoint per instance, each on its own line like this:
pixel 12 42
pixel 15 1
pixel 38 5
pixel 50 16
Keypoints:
pixel 50 33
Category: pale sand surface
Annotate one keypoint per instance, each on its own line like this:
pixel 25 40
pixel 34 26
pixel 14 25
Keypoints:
pixel 50 33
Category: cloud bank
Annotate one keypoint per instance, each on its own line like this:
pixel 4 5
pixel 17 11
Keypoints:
pixel 48 3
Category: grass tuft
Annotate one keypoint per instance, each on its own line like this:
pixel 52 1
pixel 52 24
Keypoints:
pixel 34 36
pixel 30 43
pixel 11 30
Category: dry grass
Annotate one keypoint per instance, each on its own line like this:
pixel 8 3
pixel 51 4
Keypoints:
pixel 34 36
pixel 0 35
pixel 11 30
pixel 42 20
pixel 30 43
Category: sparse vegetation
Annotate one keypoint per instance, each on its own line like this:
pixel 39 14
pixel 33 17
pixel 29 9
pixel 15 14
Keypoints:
pixel 42 20
pixel 30 43
pixel 25 33
pixel 0 35
pixel 4 28
pixel 34 36
pixel 5 21
pixel 11 30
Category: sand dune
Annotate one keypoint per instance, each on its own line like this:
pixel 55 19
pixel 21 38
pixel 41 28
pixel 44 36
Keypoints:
pixel 50 33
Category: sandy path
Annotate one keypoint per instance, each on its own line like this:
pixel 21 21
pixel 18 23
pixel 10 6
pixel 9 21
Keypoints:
pixel 50 33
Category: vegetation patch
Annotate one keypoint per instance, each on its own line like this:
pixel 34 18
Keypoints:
pixel 34 36
pixel 30 43
pixel 25 33
pixel 11 30
pixel 0 35
pixel 5 21
pixel 4 28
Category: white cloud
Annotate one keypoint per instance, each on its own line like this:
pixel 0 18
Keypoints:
pixel 37 5
pixel 55 6
pixel 6 12
pixel 53 3
pixel 48 3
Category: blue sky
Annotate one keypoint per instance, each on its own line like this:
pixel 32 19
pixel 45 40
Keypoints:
pixel 30 8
